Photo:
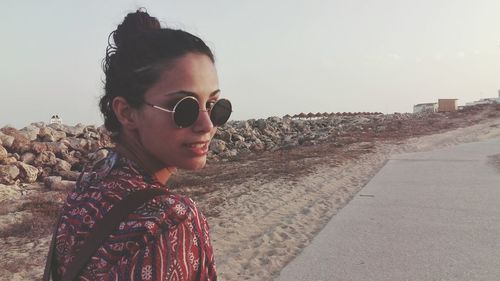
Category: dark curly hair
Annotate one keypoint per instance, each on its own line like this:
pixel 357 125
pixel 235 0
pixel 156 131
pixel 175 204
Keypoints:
pixel 134 60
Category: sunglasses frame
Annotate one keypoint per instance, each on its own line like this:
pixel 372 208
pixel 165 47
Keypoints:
pixel 184 98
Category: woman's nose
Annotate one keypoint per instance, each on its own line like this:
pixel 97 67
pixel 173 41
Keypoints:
pixel 203 123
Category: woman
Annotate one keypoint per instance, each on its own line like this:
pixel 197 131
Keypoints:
pixel 162 103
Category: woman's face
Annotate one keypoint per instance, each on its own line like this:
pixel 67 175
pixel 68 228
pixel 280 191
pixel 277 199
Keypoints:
pixel 186 148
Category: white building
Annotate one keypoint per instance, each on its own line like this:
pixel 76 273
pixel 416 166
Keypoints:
pixel 485 101
pixel 425 107
pixel 55 119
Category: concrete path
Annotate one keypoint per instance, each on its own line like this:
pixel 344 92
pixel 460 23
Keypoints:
pixel 424 216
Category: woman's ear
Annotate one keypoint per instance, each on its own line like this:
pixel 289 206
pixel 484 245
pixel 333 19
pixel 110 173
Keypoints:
pixel 125 113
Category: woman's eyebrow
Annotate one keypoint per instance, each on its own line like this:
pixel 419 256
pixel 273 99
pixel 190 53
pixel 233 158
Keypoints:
pixel 188 93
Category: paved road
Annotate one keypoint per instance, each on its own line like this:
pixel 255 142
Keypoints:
pixel 424 216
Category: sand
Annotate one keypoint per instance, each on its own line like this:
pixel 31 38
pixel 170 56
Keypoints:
pixel 264 224
pixel 260 223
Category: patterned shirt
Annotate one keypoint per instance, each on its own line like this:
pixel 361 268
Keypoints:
pixel 164 239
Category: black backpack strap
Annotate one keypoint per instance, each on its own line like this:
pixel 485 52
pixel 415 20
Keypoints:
pixel 48 264
pixel 103 229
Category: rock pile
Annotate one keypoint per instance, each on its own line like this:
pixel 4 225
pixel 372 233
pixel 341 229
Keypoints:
pixel 55 154
pixel 39 151
pixel 250 136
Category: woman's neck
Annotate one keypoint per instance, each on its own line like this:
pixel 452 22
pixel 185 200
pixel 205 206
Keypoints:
pixel 133 149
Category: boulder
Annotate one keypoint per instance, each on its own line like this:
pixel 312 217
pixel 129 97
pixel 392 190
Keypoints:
pixel 229 153
pixel 62 165
pixel 57 183
pixel 217 146
pixel 48 134
pixel 243 125
pixel 9 194
pixel 46 158
pixel 223 135
pixel 3 153
pixel 10 160
pixel 8 174
pixel 69 175
pixel 76 143
pixel 31 132
pixel 44 172
pixel 50 180
pixel 56 126
pixel 236 138
pixel 58 148
pixel 98 155
pixel 261 124
pixel 39 124
pixel 28 157
pixel 72 157
pixel 28 173
pixel 6 140
pixel 20 144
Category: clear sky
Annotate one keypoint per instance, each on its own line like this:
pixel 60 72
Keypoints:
pixel 273 57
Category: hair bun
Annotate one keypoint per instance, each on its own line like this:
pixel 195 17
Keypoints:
pixel 133 25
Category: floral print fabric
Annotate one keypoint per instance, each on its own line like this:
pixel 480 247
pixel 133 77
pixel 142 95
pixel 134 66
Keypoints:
pixel 165 239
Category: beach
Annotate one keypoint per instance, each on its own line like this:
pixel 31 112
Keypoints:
pixel 265 224
pixel 262 211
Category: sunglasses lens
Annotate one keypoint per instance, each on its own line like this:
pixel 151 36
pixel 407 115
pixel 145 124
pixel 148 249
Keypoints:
pixel 221 111
pixel 186 112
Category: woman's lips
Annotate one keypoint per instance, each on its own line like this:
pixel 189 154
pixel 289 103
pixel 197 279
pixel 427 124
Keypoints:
pixel 198 148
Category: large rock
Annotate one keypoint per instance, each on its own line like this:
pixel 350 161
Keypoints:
pixel 73 131
pixel 77 143
pixel 6 140
pixel 62 165
pixel 31 131
pixel 10 160
pixel 261 124
pixel 69 175
pixel 223 135
pixel 38 124
pixel 46 158
pixel 3 153
pixel 20 144
pixel 243 125
pixel 9 194
pixel 29 173
pixel 57 183
pixel 47 134
pixel 58 148
pixel 28 157
pixel 51 180
pixel 8 174
pixel 217 146
pixel 72 157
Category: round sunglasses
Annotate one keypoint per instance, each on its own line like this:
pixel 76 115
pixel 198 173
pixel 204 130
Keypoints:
pixel 187 109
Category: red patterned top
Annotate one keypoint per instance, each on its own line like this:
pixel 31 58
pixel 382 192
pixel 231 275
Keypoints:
pixel 165 239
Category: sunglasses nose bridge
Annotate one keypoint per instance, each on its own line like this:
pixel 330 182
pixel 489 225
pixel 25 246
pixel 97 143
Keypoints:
pixel 203 121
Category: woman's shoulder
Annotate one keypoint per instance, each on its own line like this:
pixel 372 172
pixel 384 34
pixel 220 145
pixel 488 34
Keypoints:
pixel 162 213
pixel 110 179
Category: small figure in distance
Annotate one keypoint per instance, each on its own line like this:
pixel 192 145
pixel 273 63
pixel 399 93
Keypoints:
pixel 163 105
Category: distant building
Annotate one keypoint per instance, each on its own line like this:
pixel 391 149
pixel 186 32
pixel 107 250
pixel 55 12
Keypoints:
pixel 55 119
pixel 425 107
pixel 447 105
pixel 485 101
